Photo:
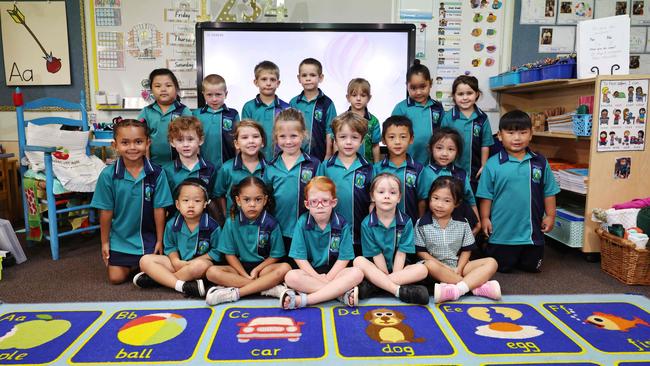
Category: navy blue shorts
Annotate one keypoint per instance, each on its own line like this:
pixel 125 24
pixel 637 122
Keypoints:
pixel 527 257
pixel 248 266
pixel 123 259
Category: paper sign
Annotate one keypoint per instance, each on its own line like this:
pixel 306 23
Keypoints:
pixel 603 43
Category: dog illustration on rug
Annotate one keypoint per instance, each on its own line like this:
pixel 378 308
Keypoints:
pixel 387 326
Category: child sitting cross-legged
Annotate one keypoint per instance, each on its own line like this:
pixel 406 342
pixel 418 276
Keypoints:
pixel 252 244
pixel 439 239
pixel 190 245
pixel 387 237
pixel 322 249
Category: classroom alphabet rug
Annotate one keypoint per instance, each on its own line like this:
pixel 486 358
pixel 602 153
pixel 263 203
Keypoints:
pixel 519 330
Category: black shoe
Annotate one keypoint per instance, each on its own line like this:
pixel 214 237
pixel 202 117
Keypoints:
pixel 194 289
pixel 143 280
pixel 414 294
pixel 367 290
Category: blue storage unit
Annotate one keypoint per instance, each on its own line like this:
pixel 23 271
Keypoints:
pixel 569 228
pixel 511 78
pixel 582 124
pixel 530 75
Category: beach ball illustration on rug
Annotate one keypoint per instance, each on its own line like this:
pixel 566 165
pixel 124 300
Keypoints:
pixel 152 329
pixel 503 323
pixel 34 333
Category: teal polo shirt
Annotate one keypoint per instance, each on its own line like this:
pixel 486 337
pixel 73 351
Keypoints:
pixel 319 113
pixel 191 244
pixel 132 200
pixel 373 137
pixel 176 173
pixel 517 190
pixel 158 122
pixel 322 247
pixel 352 189
pixel 231 173
pixel 378 239
pixel 426 119
pixel 264 114
pixel 409 175
pixel 252 241
pixel 476 133
pixel 289 188
pixel 432 171
pixel 218 126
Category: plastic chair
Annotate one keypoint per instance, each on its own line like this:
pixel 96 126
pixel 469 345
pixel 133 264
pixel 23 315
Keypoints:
pixel 54 214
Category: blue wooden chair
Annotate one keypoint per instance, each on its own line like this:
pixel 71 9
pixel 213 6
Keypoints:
pixel 59 207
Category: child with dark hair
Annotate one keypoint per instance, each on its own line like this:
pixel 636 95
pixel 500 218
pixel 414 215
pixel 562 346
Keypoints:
pixel 166 107
pixel 472 124
pixel 397 134
pixel 424 112
pixel 190 245
pixel 251 242
pixel 518 191
pixel 130 227
pixel 445 246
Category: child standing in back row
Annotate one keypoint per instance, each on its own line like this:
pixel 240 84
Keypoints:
pixel 358 96
pixel 218 121
pixel 518 191
pixel 131 196
pixel 266 105
pixel 318 109
pixel 424 112
pixel 472 124
pixel 351 172
pixel 158 115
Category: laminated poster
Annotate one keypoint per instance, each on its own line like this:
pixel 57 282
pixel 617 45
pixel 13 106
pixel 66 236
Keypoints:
pixel 538 11
pixel 623 114
pixel 572 12
pixel 556 39
pixel 610 8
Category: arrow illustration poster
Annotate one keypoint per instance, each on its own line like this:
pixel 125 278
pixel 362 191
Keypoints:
pixel 35 43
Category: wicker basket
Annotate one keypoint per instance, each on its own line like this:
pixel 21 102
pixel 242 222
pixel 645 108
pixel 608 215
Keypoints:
pixel 622 260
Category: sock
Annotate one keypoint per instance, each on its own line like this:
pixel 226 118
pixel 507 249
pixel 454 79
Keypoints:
pixel 397 291
pixel 462 288
pixel 237 292
pixel 179 285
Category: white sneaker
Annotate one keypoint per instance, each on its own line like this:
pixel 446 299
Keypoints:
pixel 275 291
pixel 218 295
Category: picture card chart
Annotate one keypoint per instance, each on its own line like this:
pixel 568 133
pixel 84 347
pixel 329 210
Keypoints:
pixel 469 41
pixel 269 334
pixel 152 335
pixel 395 331
pixel 41 337
pixel 622 115
pixel 615 327
pixel 506 329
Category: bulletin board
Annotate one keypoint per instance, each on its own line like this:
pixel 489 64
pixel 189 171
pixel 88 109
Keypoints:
pixel 78 65
pixel 131 38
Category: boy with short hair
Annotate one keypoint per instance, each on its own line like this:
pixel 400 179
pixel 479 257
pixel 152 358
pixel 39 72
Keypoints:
pixel 397 134
pixel 218 121
pixel 518 189
pixel 351 172
pixel 358 96
pixel 318 109
pixel 186 136
pixel 266 105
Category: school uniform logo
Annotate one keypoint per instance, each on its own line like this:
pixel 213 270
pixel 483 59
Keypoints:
pixel 318 114
pixel 335 243
pixel 202 247
pixel 205 180
pixel 263 239
pixel 435 116
pixel 175 115
pixel 536 174
pixel 227 124
pixel 410 179
pixel 359 180
pixel 305 176
pixel 476 131
pixel 148 192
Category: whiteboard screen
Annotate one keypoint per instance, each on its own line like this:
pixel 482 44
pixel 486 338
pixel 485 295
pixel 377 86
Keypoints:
pixel 379 53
